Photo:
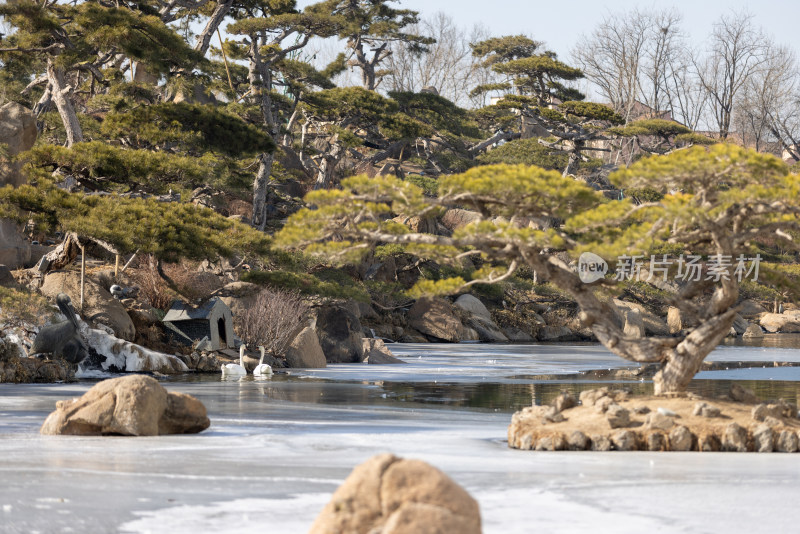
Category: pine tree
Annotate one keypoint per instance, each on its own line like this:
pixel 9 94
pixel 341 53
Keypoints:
pixel 715 203
pixel 369 26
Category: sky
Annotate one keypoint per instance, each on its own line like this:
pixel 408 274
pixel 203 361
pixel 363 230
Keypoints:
pixel 560 23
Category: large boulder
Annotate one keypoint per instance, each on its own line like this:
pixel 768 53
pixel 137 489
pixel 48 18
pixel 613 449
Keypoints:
pixel 779 322
pixel 135 405
pixel 435 317
pixel 480 319
pixel 375 352
pixel 751 309
pixel 653 325
pixel 456 218
pixel 634 326
pixel 339 332
pixel 98 304
pixel 391 495
pixel 15 250
pixel 18 132
pixel 305 352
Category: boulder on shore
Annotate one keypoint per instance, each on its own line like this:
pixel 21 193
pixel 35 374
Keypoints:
pixel 134 405
pixel 435 317
pixel 305 352
pixel 339 332
pixel 376 352
pixel 391 495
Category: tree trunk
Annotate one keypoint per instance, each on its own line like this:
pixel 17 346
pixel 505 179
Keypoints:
pixel 327 165
pixel 684 362
pixel 260 190
pixel 61 92
pixel 204 39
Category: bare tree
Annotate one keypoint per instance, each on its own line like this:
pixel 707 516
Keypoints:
pixel 737 51
pixel 687 97
pixel 448 64
pixel 612 57
pixel 663 45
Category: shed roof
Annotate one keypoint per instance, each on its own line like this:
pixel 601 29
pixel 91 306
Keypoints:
pixel 183 312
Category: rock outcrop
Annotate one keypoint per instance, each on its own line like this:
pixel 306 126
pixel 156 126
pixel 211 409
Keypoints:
pixel 479 319
pixel 435 317
pixel 376 352
pixel 305 351
pixel 339 332
pixel 18 132
pixel 135 405
pixel 98 304
pixel 783 323
pixel 391 495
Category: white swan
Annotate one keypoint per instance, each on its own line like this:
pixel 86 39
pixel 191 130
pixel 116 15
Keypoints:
pixel 262 369
pixel 235 369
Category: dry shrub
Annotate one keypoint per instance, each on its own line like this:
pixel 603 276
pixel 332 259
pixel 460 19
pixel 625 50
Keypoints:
pixel 275 314
pixel 190 282
pixel 240 207
pixel 152 288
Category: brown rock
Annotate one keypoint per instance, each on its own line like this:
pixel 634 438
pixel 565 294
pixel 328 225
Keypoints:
pixel 617 416
pixel 602 404
pixel 133 405
pixel 787 442
pixel 634 327
pixel 763 438
pixel 734 438
pixel 656 441
pixel 762 411
pixel 653 325
pixel 779 322
pixel 564 401
pixel 588 397
pixel 753 331
pixel 741 394
pixel 98 304
pixel 436 317
pixel 659 421
pixel 554 442
pixel 389 494
pixel 601 443
pixel 577 441
pixel 339 333
pixel 624 440
pixel 456 218
pixel 556 333
pixel 18 132
pixel 15 250
pixel 674 320
pixel 751 309
pixel 376 352
pixel 709 442
pixel 305 352
pixel 681 439
pixel 703 409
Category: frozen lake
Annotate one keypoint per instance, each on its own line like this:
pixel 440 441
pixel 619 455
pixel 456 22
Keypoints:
pixel 278 448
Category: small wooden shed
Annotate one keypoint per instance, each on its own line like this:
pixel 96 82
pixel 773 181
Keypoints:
pixel 213 320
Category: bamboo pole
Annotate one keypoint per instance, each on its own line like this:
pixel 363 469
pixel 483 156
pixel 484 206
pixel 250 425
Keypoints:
pixel 225 57
pixel 83 273
pixel 116 266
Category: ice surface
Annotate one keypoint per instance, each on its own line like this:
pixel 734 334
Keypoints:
pixel 277 449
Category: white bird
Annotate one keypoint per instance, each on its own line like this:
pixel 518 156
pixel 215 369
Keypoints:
pixel 235 369
pixel 262 369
